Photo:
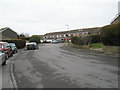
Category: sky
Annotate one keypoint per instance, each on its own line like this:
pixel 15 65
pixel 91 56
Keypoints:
pixel 37 17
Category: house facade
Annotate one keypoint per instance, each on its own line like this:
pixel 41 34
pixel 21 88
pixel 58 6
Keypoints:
pixel 65 34
pixel 7 33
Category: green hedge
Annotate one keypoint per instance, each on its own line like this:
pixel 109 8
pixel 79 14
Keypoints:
pixel 110 35
pixel 18 42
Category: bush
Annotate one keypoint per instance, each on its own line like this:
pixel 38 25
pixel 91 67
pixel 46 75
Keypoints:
pixel 110 35
pixel 74 39
pixel 84 40
pixel 18 42
pixel 35 38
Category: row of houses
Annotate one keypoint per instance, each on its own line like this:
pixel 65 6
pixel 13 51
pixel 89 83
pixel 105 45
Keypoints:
pixel 66 34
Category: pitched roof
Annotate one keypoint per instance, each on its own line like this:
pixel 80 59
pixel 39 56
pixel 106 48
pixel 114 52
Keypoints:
pixel 116 17
pixel 6 28
pixel 75 30
pixel 62 32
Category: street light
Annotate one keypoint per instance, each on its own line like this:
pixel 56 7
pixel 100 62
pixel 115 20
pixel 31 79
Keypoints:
pixel 67 33
pixel 67 27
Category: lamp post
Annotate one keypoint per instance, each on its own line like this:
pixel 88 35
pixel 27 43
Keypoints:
pixel 67 33
pixel 67 27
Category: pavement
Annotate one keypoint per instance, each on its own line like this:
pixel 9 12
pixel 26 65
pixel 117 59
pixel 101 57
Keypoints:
pixel 6 74
pixel 56 66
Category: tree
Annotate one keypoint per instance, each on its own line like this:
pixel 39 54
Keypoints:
pixel 24 35
pixel 35 38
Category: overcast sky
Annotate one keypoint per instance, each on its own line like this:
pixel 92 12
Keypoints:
pixel 43 16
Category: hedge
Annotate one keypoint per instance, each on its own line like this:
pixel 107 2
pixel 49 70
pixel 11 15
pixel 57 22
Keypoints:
pixel 18 42
pixel 110 35
pixel 85 40
pixel 95 38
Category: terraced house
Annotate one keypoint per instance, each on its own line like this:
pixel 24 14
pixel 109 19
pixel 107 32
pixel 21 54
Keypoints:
pixel 7 33
pixel 76 32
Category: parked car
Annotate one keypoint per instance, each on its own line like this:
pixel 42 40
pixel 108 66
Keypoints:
pixel 14 48
pixel 32 45
pixel 3 58
pixel 56 41
pixel 6 48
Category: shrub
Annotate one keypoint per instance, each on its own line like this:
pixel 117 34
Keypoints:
pixel 110 35
pixel 84 40
pixel 18 42
pixel 74 39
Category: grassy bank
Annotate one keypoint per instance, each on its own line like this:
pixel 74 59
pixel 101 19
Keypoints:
pixel 96 45
pixel 99 47
pixel 78 46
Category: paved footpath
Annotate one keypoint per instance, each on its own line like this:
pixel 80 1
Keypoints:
pixel 6 74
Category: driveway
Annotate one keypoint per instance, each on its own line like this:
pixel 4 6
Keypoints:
pixel 54 66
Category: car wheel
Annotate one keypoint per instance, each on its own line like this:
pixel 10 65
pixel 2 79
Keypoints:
pixel 15 52
pixel 11 55
pixel 6 57
pixel 5 62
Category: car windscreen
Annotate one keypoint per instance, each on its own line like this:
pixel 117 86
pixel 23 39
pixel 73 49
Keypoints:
pixel 12 44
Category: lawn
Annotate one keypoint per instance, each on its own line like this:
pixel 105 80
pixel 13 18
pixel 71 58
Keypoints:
pixel 96 45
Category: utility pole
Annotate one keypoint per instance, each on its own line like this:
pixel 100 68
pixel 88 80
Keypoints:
pixel 67 27
pixel 67 39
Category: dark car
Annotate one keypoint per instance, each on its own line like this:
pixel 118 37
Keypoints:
pixel 4 46
pixel 32 45
pixel 14 48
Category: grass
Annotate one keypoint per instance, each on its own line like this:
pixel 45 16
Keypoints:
pixel 78 46
pixel 111 49
pixel 96 45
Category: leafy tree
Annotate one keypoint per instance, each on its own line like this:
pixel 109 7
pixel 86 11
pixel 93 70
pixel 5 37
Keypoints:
pixel 35 38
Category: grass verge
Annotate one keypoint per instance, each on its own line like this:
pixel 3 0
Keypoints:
pixel 96 45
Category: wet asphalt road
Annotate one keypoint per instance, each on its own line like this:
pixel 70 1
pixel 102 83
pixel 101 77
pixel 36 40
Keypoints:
pixel 54 66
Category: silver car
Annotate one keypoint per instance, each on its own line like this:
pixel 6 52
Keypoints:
pixel 3 58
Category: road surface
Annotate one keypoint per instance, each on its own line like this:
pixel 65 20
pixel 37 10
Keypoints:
pixel 53 66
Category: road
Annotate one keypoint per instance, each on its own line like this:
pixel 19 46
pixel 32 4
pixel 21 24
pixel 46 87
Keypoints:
pixel 54 66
